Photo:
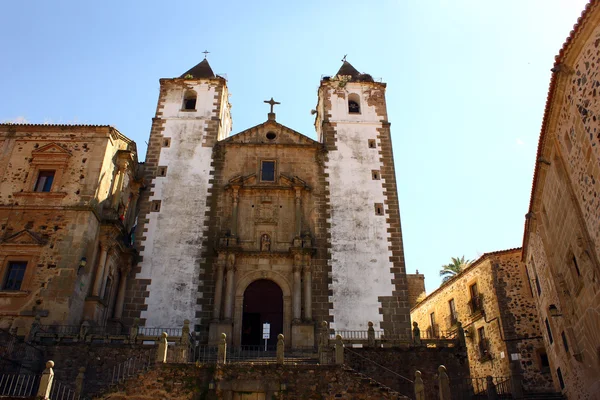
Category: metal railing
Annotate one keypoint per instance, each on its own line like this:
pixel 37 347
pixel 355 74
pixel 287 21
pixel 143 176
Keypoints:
pixel 131 367
pixel 356 335
pixel 60 329
pixel 476 304
pixel 60 391
pixel 19 385
pixel 477 387
pixel 157 332
pixel 106 330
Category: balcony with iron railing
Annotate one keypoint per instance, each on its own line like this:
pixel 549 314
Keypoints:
pixel 452 321
pixel 476 305
pixel 483 348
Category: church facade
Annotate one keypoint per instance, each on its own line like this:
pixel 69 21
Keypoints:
pixel 269 225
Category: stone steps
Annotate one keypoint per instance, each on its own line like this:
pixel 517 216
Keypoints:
pixel 366 380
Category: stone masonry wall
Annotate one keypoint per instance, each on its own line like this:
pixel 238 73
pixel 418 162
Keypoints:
pixel 52 231
pixel 361 178
pixel 520 321
pixel 458 289
pixel 416 288
pixel 404 362
pixel 173 210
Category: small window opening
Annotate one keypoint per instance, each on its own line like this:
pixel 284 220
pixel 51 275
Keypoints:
pixel 576 265
pixel 189 100
pixel 162 171
pixel 271 135
pixel 378 209
pixel 372 144
pixel 155 205
pixel 544 362
pixel 166 142
pixel 14 275
pixel 550 338
pixel 267 171
pixel 375 175
pixel 44 181
pixel 353 104
pixel 564 340
pixel 560 378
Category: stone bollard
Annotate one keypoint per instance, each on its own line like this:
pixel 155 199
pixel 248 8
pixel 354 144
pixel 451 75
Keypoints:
pixel 79 381
pixel 323 343
pixel 416 334
pixel 46 382
pixel 185 332
pixel 419 386
pixel 222 350
pixel 371 335
pixel 163 345
pixel 492 393
pixel 280 348
pixel 339 350
pixel 133 331
pixel 444 383
pixel 84 329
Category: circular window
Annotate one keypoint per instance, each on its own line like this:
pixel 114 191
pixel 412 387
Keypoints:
pixel 271 135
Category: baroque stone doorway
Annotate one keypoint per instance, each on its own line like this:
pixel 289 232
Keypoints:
pixel 263 302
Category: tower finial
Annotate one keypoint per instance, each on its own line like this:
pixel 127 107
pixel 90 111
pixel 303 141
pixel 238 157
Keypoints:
pixel 206 53
pixel 344 58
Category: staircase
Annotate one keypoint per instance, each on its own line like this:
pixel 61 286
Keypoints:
pixel 365 380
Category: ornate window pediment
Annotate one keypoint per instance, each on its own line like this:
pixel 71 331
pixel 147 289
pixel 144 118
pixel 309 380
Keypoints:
pixel 50 154
pixel 23 237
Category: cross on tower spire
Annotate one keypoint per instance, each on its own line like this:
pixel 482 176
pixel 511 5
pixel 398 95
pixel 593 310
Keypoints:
pixel 205 52
pixel 272 103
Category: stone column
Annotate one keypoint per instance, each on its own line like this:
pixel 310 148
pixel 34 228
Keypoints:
pixel 121 295
pixel 307 293
pixel 122 166
pixel 234 215
pixel 298 212
pixel 229 295
pixel 218 292
pixel 100 270
pixel 297 297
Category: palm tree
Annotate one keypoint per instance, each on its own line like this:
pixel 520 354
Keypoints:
pixel 448 271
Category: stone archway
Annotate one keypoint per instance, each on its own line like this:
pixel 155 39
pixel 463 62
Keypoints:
pixel 263 303
pixel 244 282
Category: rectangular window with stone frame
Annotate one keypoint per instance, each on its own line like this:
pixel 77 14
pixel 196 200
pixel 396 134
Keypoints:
pixel 14 275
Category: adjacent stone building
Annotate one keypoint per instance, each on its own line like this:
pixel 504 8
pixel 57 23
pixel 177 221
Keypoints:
pixel 493 301
pixel 561 244
pixel 269 225
pixel 67 200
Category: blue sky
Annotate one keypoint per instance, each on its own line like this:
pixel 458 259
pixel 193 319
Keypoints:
pixel 467 83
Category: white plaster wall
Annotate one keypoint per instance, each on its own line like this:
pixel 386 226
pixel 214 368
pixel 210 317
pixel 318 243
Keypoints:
pixel 359 238
pixel 172 249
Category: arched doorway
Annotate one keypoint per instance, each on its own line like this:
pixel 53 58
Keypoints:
pixel 263 302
